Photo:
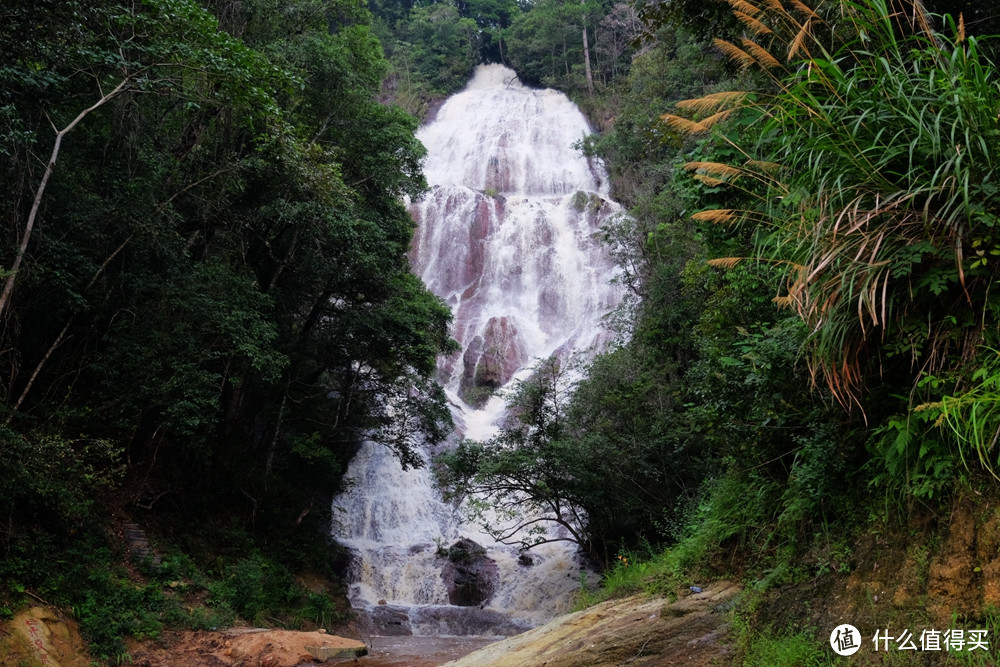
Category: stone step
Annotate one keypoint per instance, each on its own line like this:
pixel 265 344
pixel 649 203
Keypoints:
pixel 138 544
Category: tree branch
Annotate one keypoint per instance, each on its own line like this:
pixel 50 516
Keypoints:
pixel 49 167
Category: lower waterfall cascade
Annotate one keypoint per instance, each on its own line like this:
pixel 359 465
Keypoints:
pixel 509 237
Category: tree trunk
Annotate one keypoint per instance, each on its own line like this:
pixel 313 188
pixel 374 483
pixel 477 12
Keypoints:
pixel 586 55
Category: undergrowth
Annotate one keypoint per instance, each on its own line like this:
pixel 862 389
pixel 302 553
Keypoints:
pixel 111 600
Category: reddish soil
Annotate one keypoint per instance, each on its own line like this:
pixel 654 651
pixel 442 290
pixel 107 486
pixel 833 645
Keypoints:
pixel 245 647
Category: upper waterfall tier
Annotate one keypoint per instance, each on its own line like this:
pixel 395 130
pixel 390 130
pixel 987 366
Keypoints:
pixel 509 236
pixel 525 156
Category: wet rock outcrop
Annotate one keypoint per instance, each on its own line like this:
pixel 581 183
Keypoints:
pixel 637 630
pixel 470 575
pixel 490 360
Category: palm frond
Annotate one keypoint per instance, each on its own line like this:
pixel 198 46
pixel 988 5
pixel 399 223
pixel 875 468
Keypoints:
pixel 764 166
pixel 798 42
pixel 744 6
pixel 785 301
pixel 714 168
pixel 801 6
pixel 725 262
pixel 761 55
pixel 683 125
pixel 753 24
pixel 715 118
pixel 779 9
pixel 708 180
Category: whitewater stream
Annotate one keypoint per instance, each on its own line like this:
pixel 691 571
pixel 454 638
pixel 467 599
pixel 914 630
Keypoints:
pixel 509 237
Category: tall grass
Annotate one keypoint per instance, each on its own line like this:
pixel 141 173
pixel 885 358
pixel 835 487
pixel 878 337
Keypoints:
pixel 872 163
pixel 871 166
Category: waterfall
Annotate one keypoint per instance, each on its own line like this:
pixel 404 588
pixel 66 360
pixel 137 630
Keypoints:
pixel 509 237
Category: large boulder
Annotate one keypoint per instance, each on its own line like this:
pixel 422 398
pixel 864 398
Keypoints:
pixel 390 620
pixel 469 575
pixel 490 360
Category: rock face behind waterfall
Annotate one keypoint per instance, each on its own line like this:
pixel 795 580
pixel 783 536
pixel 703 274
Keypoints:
pixel 490 360
pixel 509 236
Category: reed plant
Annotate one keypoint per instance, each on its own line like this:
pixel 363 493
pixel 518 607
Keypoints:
pixel 867 177
pixel 871 171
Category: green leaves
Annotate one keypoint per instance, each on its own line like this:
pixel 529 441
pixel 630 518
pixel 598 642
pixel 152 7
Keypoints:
pixel 218 278
pixel 885 143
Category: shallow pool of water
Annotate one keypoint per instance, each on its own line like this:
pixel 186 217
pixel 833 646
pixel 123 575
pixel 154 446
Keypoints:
pixel 408 651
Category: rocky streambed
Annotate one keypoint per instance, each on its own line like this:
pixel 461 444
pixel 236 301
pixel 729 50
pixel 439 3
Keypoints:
pixel 636 631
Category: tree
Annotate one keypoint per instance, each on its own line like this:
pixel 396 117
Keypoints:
pixel 216 276
pixel 616 35
pixel 524 482
pixel 492 17
pixel 549 44
pixel 442 45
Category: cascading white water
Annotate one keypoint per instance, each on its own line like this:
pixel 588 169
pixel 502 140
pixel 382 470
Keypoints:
pixel 509 238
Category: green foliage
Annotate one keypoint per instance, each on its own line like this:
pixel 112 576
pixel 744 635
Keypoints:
pixel 440 45
pixel 252 587
pixel 973 417
pixel 884 203
pixel 433 48
pixel 914 455
pixel 950 433
pixel 263 591
pixel 80 573
pixel 641 153
pixel 529 476
pixel 706 19
pixel 214 303
pixel 222 249
pixel 111 607
pixel 863 172
pixel 50 478
pixel 797 650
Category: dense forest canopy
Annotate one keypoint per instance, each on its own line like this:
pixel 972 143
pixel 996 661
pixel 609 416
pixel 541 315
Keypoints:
pixel 206 298
pixel 206 236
